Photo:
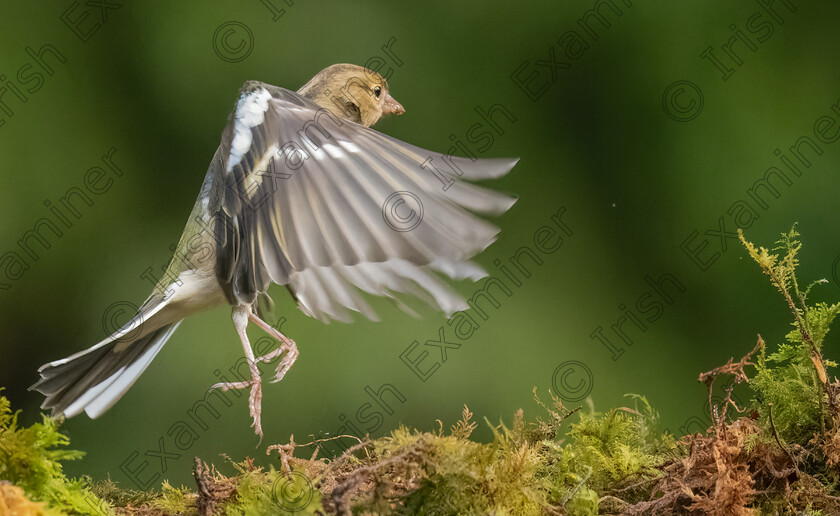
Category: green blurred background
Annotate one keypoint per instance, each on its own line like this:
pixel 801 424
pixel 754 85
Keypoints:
pixel 599 141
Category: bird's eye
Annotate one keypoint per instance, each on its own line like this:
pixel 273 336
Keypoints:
pixel 377 91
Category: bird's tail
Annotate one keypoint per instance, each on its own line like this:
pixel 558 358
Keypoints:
pixel 96 378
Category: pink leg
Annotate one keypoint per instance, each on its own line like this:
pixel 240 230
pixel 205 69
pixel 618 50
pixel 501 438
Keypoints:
pixel 287 345
pixel 240 322
pixel 288 348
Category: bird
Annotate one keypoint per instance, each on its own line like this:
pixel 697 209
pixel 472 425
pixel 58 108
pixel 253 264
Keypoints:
pixel 302 193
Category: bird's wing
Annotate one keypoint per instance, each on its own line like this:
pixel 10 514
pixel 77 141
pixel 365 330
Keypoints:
pixel 327 206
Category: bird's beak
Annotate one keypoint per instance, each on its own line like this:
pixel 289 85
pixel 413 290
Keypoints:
pixel 392 107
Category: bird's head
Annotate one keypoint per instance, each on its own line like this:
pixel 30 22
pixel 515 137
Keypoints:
pixel 353 93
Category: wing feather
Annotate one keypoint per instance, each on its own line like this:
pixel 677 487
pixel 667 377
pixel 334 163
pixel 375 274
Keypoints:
pixel 303 207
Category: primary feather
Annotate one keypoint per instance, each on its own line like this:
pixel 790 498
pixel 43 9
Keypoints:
pixel 303 206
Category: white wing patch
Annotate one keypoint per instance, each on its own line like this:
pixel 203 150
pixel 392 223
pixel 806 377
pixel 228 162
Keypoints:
pixel 318 153
pixel 250 112
pixel 349 146
pixel 333 150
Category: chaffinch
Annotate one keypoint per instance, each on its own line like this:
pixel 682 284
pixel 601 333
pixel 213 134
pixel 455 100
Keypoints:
pixel 302 193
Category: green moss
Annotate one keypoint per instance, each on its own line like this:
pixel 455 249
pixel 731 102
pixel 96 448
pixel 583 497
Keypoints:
pixel 172 500
pixel 273 493
pixel 31 457
pixel 791 384
pixel 118 497
pixel 455 475
pixel 786 381
pixel 526 469
pixel 619 448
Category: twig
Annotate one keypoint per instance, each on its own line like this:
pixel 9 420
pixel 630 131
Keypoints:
pixel 779 441
pixel 736 370
pixel 286 451
pixel 206 502
pixel 340 491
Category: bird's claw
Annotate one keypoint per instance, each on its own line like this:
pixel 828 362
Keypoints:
pixel 254 397
pixel 255 408
pixel 290 354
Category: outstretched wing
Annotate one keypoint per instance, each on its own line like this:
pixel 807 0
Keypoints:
pixel 327 206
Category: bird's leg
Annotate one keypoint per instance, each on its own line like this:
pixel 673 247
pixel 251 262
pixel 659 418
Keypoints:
pixel 240 322
pixel 287 345
pixel 288 349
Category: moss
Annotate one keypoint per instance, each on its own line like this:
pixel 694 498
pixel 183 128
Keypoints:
pixel 271 492
pixel 456 475
pixel 779 454
pixel 30 458
pixel 792 382
pixel 172 500
pixel 116 496
pixel 619 449
pixel 781 459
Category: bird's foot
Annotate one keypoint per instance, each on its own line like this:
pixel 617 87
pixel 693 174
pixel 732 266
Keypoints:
pixel 254 398
pixel 287 346
pixel 290 354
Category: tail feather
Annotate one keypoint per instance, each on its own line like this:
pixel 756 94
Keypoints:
pixel 94 379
